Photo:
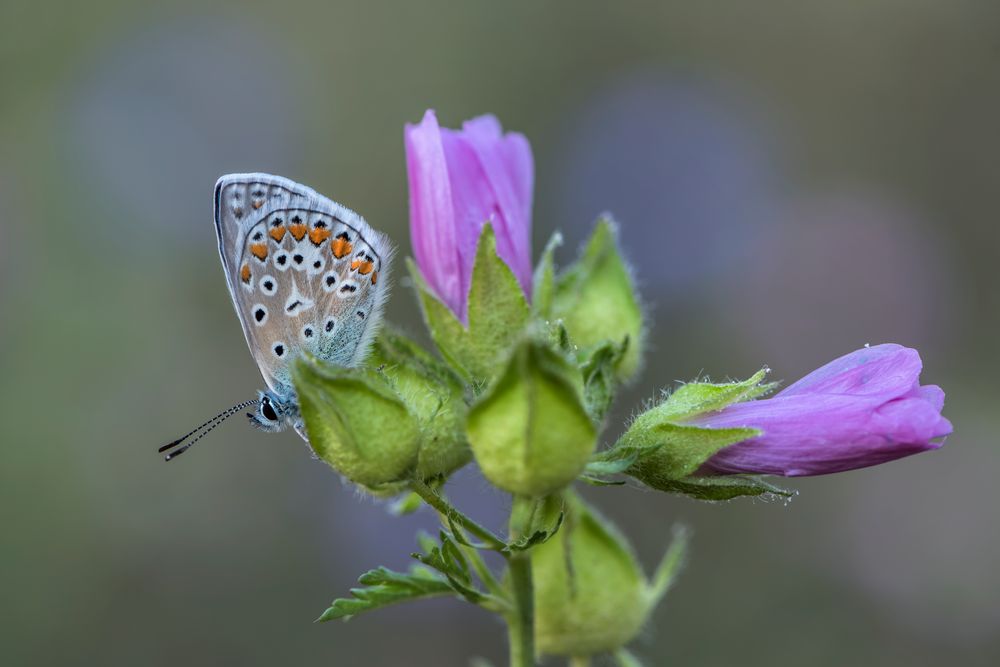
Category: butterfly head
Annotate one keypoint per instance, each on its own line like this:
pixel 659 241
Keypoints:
pixel 274 413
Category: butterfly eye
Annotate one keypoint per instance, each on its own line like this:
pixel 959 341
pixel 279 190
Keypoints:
pixel 268 411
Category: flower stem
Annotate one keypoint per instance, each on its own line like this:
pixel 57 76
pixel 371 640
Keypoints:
pixel 445 508
pixel 521 622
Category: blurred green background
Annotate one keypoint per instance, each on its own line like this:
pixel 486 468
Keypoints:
pixel 793 180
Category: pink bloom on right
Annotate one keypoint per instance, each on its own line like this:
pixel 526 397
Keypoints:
pixel 866 408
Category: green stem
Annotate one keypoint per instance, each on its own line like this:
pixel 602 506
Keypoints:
pixel 441 505
pixel 521 622
pixel 579 661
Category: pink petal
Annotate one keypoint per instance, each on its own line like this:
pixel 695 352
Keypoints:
pixel 432 224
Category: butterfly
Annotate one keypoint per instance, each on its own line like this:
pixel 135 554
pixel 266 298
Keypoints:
pixel 305 274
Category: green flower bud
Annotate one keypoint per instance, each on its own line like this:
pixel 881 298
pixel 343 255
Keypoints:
pixel 433 396
pixel 357 423
pixel 597 300
pixel 530 431
pixel 591 596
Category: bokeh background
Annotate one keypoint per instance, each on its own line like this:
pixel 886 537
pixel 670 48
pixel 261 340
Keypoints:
pixel 793 180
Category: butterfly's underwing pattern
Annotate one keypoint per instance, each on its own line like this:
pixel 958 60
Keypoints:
pixel 304 272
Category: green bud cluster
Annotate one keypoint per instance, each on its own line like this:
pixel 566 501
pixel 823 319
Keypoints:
pixel 523 388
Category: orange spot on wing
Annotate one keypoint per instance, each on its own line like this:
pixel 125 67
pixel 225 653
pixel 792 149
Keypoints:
pixel 374 277
pixel 245 273
pixel 341 248
pixel 277 233
pixel 257 204
pixel 298 231
pixel 259 250
pixel 318 235
pixel 364 268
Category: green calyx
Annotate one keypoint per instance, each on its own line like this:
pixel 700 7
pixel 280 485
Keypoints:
pixel 356 422
pixel 597 301
pixel 530 431
pixel 591 595
pixel 664 451
pixel 433 395
pixel 401 415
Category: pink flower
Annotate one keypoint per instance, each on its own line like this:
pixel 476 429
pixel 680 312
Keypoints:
pixel 866 408
pixel 459 181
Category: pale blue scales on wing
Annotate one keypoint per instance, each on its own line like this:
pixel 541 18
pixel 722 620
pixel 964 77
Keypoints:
pixel 305 274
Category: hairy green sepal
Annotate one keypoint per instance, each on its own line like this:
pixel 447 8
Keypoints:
pixel 356 422
pixel 664 451
pixel 432 394
pixel 596 299
pixel 497 314
pixel 530 431
pixel 591 595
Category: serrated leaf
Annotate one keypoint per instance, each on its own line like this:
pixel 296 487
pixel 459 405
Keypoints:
pixel 723 487
pixel 447 559
pixel 384 587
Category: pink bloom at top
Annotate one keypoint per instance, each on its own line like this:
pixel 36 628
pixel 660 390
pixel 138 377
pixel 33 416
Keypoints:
pixel 866 408
pixel 460 180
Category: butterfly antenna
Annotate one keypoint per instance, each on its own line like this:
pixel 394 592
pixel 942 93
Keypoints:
pixel 210 424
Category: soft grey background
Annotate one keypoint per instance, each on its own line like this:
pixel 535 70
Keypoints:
pixel 793 180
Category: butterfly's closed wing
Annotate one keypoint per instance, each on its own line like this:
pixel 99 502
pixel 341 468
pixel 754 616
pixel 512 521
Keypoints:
pixel 305 273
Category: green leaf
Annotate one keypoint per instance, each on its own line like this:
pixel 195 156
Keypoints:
pixel 538 519
pixel 356 422
pixel 596 298
pixel 433 394
pixel 530 432
pixel 448 559
pixel 669 567
pixel 383 587
pixel 544 281
pixel 497 314
pixel 696 398
pixel 723 487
